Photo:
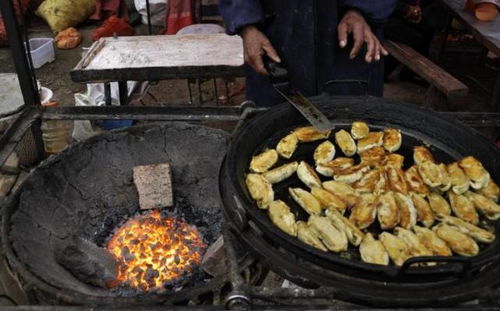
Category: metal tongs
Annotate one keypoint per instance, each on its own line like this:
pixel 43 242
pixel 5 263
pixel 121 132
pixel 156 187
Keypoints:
pixel 281 83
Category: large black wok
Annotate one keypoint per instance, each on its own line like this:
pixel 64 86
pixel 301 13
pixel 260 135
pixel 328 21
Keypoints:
pixel 448 141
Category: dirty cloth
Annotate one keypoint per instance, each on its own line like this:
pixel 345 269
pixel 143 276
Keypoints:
pixel 107 8
pixel 304 32
pixel 180 14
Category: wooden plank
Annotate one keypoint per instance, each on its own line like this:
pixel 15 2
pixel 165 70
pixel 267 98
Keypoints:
pixel 432 73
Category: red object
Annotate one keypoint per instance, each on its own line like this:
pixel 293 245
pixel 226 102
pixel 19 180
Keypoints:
pixel 113 25
pixel 3 33
pixel 180 14
pixel 470 6
pixel 107 8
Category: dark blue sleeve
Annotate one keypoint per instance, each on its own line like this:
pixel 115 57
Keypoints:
pixel 240 13
pixel 377 10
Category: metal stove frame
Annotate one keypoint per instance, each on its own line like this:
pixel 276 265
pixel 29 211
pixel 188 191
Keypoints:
pixel 242 295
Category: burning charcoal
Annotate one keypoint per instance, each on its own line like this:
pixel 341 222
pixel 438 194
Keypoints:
pixel 177 259
pixel 87 262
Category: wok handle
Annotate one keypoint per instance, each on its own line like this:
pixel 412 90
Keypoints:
pixel 465 262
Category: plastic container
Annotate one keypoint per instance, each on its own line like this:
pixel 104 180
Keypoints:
pixel 42 51
pixel 56 134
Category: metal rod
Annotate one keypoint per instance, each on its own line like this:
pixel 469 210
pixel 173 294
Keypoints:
pixel 215 90
pixel 200 97
pixel 107 93
pixel 190 92
pixel 150 28
pixel 123 92
pixel 18 50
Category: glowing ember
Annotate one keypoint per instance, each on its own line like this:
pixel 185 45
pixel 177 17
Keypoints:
pixel 152 250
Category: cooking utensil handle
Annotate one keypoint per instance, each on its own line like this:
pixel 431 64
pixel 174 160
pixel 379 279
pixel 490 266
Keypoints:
pixel 277 72
pixel 465 262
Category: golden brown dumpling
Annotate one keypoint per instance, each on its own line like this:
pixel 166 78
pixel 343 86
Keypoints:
pixel 307 175
pixel 478 176
pixel 287 146
pixel 463 208
pixel 432 242
pixel 309 236
pixel 334 239
pixel 309 133
pixel 387 211
pixel 324 152
pixel 438 204
pixel 354 235
pixel 335 166
pixel 264 161
pixel 351 174
pixel 445 178
pixel 415 182
pixel 373 157
pixel 281 173
pixel 373 139
pixel 346 143
pixel 282 217
pixel 487 207
pixel 430 173
pixel 359 129
pixel 328 199
pixel 394 160
pixel 459 181
pixel 491 190
pixel 459 242
pixel 365 212
pixel 421 154
pixel 424 212
pixel 396 179
pixel 475 232
pixel 373 251
pixel 392 139
pixel 415 247
pixel 367 182
pixel 345 192
pixel 395 247
pixel 407 211
pixel 260 190
pixel 306 200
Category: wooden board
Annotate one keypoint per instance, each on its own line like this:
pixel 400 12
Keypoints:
pixel 432 73
pixel 161 57
pixel 486 32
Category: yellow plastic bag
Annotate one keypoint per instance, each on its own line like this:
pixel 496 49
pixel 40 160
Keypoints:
pixel 61 14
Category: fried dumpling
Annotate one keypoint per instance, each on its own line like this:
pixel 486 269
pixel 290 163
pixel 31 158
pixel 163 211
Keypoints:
pixel 459 181
pixel 463 208
pixel 415 182
pixel 334 239
pixel 335 166
pixel 395 247
pixel 477 174
pixel 308 133
pixel 260 190
pixel 328 199
pixel 407 211
pixel 387 211
pixel 307 175
pixel 438 204
pixel 373 156
pixel 354 235
pixel 445 178
pixel 491 190
pixel 287 145
pixel 345 192
pixel 396 178
pixel 373 139
pixel 432 242
pixel 309 236
pixel 373 251
pixel 306 200
pixel 346 143
pixel 382 183
pixel 430 173
pixel 475 232
pixel 352 174
pixel 424 212
pixel 421 154
pixel 459 242
pixel 367 182
pixel 415 247
pixel 264 161
pixel 392 139
pixel 359 129
pixel 281 173
pixel 282 217
pixel 393 160
pixel 364 213
pixel 325 152
pixel 489 208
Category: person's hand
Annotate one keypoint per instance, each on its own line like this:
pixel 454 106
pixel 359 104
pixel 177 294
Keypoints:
pixel 354 23
pixel 255 45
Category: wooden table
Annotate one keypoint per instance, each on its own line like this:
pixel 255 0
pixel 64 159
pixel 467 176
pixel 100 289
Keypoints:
pixel 154 58
pixel 488 33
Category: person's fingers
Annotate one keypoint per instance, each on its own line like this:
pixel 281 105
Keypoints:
pixel 383 50
pixel 270 51
pixel 370 47
pixel 378 48
pixel 358 36
pixel 342 31
pixel 258 64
